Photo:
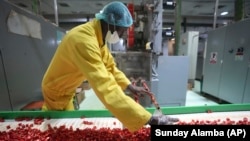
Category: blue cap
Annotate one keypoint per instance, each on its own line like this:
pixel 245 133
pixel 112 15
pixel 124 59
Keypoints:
pixel 116 13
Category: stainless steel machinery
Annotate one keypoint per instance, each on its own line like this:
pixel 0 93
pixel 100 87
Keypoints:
pixel 166 75
pixel 136 65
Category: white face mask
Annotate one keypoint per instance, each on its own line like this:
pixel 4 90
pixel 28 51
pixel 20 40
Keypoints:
pixel 112 38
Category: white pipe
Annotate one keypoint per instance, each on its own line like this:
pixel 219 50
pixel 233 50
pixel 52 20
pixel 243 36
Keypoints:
pixel 56 12
pixel 215 13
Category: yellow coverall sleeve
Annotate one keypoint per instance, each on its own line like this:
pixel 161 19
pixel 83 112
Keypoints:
pixel 91 60
pixel 120 77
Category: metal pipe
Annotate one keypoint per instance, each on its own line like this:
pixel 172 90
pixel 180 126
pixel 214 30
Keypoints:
pixel 56 12
pixel 177 26
pixel 238 10
pixel 215 13
pixel 34 6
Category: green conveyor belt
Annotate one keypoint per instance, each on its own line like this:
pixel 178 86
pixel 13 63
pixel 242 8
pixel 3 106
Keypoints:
pixel 106 113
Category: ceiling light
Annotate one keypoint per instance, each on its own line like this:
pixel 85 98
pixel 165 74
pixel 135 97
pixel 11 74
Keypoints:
pixel 224 22
pixel 169 4
pixel 168 28
pixel 223 13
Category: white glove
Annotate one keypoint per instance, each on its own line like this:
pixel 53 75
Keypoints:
pixel 162 120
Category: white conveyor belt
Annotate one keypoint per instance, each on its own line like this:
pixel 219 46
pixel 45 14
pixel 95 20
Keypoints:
pixel 110 122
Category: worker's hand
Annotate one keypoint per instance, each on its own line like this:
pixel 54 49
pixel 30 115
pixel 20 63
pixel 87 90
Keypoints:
pixel 139 91
pixel 162 120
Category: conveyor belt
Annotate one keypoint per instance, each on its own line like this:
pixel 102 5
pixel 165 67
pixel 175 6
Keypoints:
pixel 110 122
pixel 75 123
pixel 97 125
pixel 214 116
pixel 103 118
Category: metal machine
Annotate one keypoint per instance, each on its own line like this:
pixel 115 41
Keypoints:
pixel 226 66
pixel 24 59
pixel 27 45
pixel 27 49
pixel 136 65
pixel 146 57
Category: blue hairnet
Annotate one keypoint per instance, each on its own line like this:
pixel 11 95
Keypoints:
pixel 116 13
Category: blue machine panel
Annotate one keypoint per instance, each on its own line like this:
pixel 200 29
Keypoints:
pixel 173 80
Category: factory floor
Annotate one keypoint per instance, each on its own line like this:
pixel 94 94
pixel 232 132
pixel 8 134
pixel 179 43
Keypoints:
pixel 193 98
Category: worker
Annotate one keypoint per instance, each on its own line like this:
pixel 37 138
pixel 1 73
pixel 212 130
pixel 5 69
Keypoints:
pixel 83 55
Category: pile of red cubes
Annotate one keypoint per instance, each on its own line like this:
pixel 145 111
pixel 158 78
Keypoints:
pixel 27 132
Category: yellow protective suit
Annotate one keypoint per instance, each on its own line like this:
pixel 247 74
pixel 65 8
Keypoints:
pixel 82 55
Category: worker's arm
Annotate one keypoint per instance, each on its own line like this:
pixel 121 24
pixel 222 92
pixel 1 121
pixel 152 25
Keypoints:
pixel 119 76
pixel 88 56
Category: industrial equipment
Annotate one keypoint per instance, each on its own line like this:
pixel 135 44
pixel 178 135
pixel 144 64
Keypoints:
pixel 169 4
pixel 226 66
pixel 136 65
pixel 28 43
pixel 165 75
pixel 147 58
pixel 24 59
